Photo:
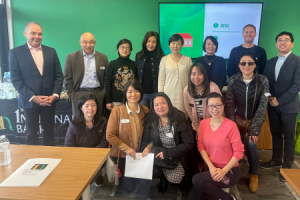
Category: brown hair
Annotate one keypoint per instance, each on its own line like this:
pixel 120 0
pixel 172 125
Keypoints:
pixel 206 85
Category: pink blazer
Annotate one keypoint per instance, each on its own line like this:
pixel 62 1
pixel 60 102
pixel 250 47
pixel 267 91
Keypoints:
pixel 189 103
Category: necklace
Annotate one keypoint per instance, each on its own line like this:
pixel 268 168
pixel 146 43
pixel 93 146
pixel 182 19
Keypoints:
pixel 209 62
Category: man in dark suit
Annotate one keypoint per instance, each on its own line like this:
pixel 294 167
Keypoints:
pixel 85 73
pixel 37 76
pixel 283 73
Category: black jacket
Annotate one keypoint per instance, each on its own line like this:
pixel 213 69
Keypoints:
pixel 155 69
pixel 182 135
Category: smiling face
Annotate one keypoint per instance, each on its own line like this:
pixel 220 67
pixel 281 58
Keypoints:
pixel 215 107
pixel 247 69
pixel 196 76
pixel 161 107
pixel 176 46
pixel 133 95
pixel 249 34
pixel 284 44
pixel 87 43
pixel 151 43
pixel 124 50
pixel 89 108
pixel 210 47
pixel 34 35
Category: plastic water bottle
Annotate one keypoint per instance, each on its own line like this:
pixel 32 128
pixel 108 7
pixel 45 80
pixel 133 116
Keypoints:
pixel 4 151
pixel 2 91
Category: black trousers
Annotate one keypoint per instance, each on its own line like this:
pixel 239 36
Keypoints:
pixel 45 115
pixel 203 183
pixel 283 127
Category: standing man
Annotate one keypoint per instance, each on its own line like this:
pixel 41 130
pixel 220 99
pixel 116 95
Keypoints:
pixel 249 33
pixel 37 76
pixel 283 72
pixel 85 73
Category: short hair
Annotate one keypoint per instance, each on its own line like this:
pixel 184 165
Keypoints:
pixel 206 83
pixel 250 25
pixel 250 55
pixel 285 33
pixel 124 41
pixel 136 85
pixel 215 95
pixel 176 37
pixel 27 25
pixel 213 39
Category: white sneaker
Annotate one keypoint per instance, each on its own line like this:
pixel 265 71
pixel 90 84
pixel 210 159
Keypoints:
pixel 233 197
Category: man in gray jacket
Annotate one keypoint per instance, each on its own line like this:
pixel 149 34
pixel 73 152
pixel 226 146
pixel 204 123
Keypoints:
pixel 84 73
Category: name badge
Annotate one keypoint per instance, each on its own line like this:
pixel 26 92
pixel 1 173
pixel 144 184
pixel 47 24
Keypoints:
pixel 182 65
pixel 191 105
pixel 170 135
pixel 102 68
pixel 125 120
pixel 267 94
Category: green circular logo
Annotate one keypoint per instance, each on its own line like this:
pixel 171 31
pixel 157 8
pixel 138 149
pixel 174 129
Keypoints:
pixel 216 25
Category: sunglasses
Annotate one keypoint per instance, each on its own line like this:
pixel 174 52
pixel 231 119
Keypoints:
pixel 245 63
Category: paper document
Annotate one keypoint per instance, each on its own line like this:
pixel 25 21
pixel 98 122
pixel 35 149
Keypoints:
pixel 32 173
pixel 141 167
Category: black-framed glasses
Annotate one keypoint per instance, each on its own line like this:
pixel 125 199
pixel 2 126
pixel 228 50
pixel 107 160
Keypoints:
pixel 217 106
pixel 283 41
pixel 245 63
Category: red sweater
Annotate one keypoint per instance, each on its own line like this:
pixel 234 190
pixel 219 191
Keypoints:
pixel 222 143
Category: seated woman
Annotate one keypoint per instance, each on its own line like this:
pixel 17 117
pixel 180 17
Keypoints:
pixel 194 95
pixel 246 101
pixel 221 148
pixel 125 129
pixel 168 135
pixel 88 128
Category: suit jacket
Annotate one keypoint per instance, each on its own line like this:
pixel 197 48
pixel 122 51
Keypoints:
pixel 27 79
pixel 74 70
pixel 287 87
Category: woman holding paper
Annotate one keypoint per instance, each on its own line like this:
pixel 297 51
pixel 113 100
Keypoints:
pixel 221 148
pixel 125 128
pixel 173 72
pixel 88 129
pixel 168 135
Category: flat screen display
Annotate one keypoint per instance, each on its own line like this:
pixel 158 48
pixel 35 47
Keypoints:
pixel 195 21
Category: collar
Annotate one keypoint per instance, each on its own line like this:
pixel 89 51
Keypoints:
pixel 84 54
pixel 129 111
pixel 284 56
pixel 39 48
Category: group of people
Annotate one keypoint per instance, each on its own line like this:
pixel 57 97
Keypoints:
pixel 166 105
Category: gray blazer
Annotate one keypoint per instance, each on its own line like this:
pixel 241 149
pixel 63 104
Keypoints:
pixel 287 87
pixel 74 70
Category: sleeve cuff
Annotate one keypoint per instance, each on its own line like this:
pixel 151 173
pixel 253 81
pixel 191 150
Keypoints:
pixel 57 96
pixel 31 98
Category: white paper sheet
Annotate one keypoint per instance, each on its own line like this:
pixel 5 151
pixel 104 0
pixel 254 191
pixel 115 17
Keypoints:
pixel 32 173
pixel 141 167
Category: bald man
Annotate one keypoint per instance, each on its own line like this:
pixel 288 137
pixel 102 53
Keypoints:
pixel 84 73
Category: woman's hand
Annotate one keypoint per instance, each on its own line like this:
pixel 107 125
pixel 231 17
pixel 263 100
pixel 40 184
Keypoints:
pixel 146 151
pixel 131 153
pixel 254 138
pixel 161 155
pixel 212 171
pixel 109 106
pixel 220 173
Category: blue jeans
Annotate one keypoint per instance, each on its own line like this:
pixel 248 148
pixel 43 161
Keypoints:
pixel 147 100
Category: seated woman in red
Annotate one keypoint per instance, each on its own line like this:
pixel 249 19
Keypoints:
pixel 88 129
pixel 221 148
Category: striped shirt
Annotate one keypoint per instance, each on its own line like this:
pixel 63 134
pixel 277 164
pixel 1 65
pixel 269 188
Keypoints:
pixel 199 108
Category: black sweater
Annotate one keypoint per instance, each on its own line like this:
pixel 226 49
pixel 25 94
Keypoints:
pixel 119 71
pixel 235 55
pixel 216 72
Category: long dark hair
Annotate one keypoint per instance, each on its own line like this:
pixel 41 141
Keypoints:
pixel 206 85
pixel 79 120
pixel 157 52
pixel 174 115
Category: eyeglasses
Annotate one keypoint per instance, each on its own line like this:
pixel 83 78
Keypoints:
pixel 124 48
pixel 90 42
pixel 283 41
pixel 218 106
pixel 245 63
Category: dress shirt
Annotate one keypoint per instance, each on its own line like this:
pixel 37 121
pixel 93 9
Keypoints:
pixel 90 78
pixel 279 63
pixel 37 55
pixel 129 111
